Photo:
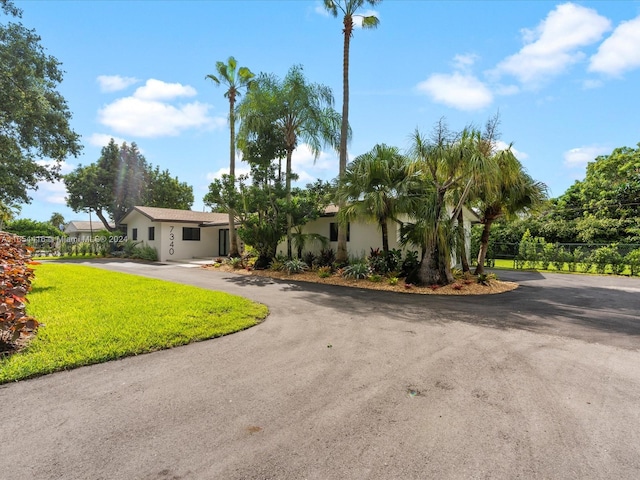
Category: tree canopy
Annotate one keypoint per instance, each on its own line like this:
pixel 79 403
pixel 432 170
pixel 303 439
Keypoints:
pixel 121 179
pixel 35 131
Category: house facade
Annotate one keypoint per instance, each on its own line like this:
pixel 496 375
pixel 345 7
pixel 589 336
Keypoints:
pixel 83 231
pixel 363 236
pixel 179 234
pixel 185 234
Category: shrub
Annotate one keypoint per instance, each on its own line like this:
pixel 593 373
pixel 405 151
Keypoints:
pixel 410 263
pixel 633 260
pixel 324 272
pixel 277 263
pixel 15 283
pixel 236 263
pixel 604 256
pixel 393 280
pixel 295 265
pixel 375 278
pixel 356 271
pixel 145 252
pixel 326 258
pixel 310 259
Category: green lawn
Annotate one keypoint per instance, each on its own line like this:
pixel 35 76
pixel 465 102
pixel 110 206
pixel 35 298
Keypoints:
pixel 92 316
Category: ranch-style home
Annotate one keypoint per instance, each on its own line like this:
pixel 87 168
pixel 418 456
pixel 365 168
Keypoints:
pixel 185 234
pixel 83 230
pixel 179 234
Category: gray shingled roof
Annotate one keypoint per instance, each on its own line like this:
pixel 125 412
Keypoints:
pixel 185 216
pixel 83 226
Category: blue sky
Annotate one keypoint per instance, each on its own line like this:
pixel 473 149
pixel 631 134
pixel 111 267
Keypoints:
pixel 564 76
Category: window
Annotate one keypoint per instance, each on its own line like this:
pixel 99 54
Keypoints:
pixel 134 234
pixel 152 233
pixel 333 232
pixel 189 233
pixel 223 239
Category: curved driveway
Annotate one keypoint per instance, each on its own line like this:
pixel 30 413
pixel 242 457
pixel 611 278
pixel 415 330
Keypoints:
pixel 541 382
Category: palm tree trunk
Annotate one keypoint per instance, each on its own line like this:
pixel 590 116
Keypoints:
pixel 385 237
pixel 233 238
pixel 288 187
pixel 342 254
pixel 484 246
pixel 462 243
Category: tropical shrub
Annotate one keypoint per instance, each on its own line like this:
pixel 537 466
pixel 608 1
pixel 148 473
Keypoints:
pixel 393 280
pixel 410 263
pixel 375 278
pixel 236 262
pixel 145 252
pixel 356 271
pixel 326 258
pixel 295 265
pixel 15 283
pixel 324 272
pixel 310 259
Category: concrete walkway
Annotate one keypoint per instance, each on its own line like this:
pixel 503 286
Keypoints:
pixel 337 383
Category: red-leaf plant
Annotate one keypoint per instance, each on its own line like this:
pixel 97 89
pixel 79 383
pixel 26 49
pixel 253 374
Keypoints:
pixel 15 283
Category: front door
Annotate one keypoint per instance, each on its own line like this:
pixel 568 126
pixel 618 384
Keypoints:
pixel 223 242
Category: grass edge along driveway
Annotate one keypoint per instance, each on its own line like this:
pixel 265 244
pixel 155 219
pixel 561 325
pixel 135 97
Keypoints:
pixel 92 316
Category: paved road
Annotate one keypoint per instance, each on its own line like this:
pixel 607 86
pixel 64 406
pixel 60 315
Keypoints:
pixel 542 382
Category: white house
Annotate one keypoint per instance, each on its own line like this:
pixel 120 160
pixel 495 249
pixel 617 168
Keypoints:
pixel 83 230
pixel 179 234
pixel 185 234
pixel 362 236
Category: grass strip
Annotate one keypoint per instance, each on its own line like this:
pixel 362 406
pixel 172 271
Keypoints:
pixel 92 316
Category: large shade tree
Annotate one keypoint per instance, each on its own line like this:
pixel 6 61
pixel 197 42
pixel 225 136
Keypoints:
pixel 35 131
pixel 301 111
pixel 348 9
pixel 376 187
pixel 236 80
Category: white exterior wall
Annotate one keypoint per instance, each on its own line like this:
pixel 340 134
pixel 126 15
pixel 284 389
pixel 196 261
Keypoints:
pixel 168 238
pixel 364 236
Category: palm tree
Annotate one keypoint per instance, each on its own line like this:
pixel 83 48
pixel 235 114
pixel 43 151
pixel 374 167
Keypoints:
pixel 302 111
pixel 236 79
pixel 348 9
pixel 509 193
pixel 450 165
pixel 375 187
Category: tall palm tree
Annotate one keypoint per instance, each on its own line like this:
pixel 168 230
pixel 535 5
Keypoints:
pixel 348 9
pixel 302 111
pixel 375 187
pixel 507 194
pixel 236 79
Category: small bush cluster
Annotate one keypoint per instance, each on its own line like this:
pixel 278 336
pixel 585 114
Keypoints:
pixel 15 283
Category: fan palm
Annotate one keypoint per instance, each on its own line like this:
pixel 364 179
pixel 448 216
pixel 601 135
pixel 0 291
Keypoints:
pixel 375 187
pixel 236 79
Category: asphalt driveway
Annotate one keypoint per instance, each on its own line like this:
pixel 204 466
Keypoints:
pixel 541 382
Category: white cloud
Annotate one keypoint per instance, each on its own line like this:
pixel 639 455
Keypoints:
pixel 457 90
pixel 554 44
pixel 149 112
pixel 591 84
pixel 620 52
pixel 242 169
pixel 158 90
pixel 580 156
pixel 464 62
pixel 103 139
pixel 53 192
pixel 64 166
pixel 500 145
pixel 114 83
